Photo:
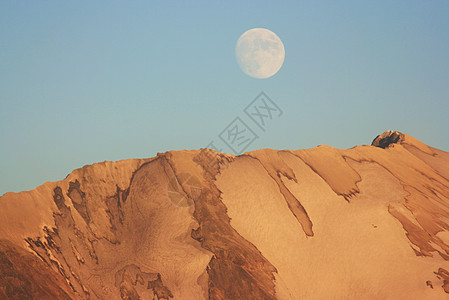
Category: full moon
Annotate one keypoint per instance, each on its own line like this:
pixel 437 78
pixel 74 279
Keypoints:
pixel 260 53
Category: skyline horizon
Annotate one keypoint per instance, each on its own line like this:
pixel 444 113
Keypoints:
pixel 226 153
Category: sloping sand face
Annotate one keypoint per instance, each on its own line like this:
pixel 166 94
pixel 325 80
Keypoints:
pixel 371 222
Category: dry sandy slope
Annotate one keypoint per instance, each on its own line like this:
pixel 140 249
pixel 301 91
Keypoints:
pixel 363 223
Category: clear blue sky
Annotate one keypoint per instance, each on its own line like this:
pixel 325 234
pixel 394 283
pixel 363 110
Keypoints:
pixel 88 81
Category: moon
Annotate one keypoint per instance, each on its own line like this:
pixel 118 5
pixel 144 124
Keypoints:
pixel 260 53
